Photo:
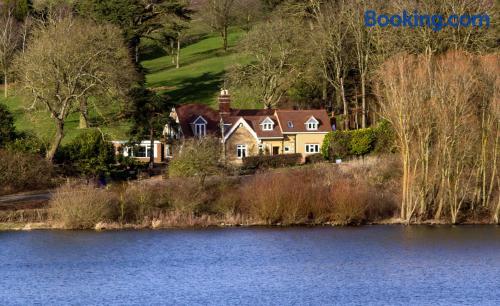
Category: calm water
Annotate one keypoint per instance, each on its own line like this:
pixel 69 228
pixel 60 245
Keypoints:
pixel 389 265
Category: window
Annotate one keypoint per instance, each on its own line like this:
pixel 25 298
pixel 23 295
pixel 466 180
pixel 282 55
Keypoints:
pixel 287 149
pixel 267 124
pixel 290 124
pixel 200 129
pixel 143 151
pixel 267 127
pixel 312 124
pixel 241 151
pixel 312 148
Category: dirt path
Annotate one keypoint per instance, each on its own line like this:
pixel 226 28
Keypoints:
pixel 25 200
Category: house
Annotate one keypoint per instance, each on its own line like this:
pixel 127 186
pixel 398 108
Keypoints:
pixel 141 151
pixel 248 132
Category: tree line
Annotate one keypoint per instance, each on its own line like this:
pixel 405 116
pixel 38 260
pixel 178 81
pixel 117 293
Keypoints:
pixel 321 51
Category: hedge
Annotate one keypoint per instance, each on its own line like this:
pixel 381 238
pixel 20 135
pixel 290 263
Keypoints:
pixel 347 143
pixel 271 161
pixel 314 158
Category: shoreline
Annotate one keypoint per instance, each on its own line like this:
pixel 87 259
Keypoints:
pixel 29 226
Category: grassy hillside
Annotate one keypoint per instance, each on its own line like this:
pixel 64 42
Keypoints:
pixel 198 79
pixel 200 76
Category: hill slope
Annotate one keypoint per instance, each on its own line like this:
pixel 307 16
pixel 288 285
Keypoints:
pixel 200 76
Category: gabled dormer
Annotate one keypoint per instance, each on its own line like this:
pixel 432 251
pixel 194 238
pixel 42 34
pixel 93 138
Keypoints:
pixel 312 124
pixel 199 126
pixel 267 124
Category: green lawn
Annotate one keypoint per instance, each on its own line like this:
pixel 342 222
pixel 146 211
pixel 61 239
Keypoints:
pixel 201 72
pixel 198 79
pixel 42 125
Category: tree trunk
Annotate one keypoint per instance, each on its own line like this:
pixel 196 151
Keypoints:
pixel 363 101
pixel 5 84
pixel 344 102
pixel 152 153
pixel 172 51
pixel 224 37
pixel 324 95
pixel 57 140
pixel 84 122
pixel 136 52
pixel 178 52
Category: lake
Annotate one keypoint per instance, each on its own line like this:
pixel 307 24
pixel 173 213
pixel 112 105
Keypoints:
pixel 376 265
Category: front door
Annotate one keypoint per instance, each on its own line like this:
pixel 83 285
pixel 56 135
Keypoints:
pixel 276 150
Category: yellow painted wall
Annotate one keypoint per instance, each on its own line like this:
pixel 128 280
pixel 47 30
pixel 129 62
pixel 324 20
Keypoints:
pixel 303 139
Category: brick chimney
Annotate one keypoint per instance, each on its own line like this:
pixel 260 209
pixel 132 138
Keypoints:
pixel 224 103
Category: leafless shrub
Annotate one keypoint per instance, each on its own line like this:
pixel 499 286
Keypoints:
pixel 23 171
pixel 82 207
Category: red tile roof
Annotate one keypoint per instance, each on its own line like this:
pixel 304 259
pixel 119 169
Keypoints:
pixel 255 123
pixel 298 118
pixel 187 113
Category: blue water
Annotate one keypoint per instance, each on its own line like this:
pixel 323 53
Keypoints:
pixel 376 265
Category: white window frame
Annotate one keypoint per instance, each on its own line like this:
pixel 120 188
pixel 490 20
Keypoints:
pixel 200 129
pixel 267 127
pixel 241 151
pixel 147 149
pixel 267 124
pixel 312 124
pixel 312 148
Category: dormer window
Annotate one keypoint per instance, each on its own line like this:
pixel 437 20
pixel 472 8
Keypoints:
pixel 312 124
pixel 200 127
pixel 290 124
pixel 267 124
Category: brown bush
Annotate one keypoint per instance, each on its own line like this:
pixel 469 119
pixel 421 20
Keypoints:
pixel 23 171
pixel 82 206
pixel 141 202
pixel 318 194
pixel 287 197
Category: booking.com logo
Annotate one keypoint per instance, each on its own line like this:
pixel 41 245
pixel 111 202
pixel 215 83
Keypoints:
pixel 436 22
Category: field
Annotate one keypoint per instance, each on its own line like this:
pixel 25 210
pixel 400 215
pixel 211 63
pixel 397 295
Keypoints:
pixel 199 78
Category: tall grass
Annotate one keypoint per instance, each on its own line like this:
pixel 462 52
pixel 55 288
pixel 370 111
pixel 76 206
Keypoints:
pixel 315 194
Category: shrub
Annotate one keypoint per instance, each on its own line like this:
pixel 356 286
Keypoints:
pixel 343 144
pixel 361 141
pixel 141 202
pixel 271 161
pixel 82 207
pixel 336 145
pixel 7 130
pixel 314 158
pixel 197 158
pixel 89 154
pixel 28 143
pixel 23 171
pixel 350 202
pixel 384 138
pixel 290 197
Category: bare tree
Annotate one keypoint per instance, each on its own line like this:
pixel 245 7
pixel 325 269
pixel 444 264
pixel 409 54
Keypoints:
pixel 330 38
pixel 219 15
pixel 444 110
pixel 275 47
pixel 9 44
pixel 68 61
